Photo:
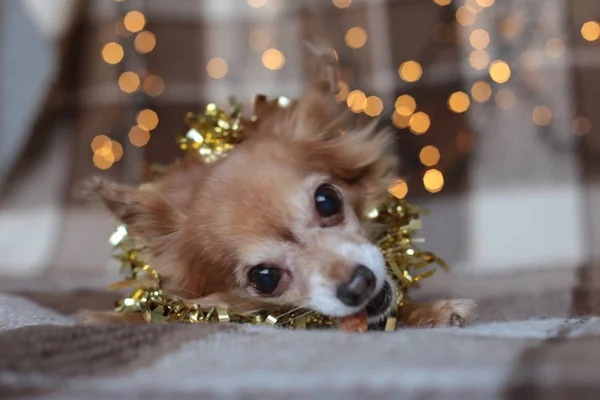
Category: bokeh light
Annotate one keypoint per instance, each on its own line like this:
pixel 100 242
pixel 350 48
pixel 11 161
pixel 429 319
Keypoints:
pixel 117 150
pixel 500 71
pixel 555 48
pixel 419 123
pixel 511 27
pixel 144 42
pixel 217 68
pixel 442 2
pixel 505 98
pixel 481 91
pixel 343 90
pixel 405 105
pixel 138 136
pixel 581 126
pixel 153 85
pixel 374 106
pixel 342 3
pixel 103 162
pixel 112 53
pixel 259 40
pixel 541 116
pixel 433 180
pixel 257 3
pixel 479 39
pixel 479 59
pixel 465 16
pixel 357 101
pixel 459 102
pixel 429 156
pixel 101 144
pixel 129 82
pixel 590 31
pixel 410 71
pixel 134 21
pixel 400 121
pixel 273 59
pixel 398 189
pixel 485 3
pixel 147 119
pixel 356 37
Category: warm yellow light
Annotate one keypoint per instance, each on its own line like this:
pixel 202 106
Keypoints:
pixel 479 39
pixel 153 85
pixel 442 2
pixel 103 162
pixel 134 21
pixel 117 150
pixel 465 16
pixel 410 71
pixel 357 101
pixel 112 53
pixel 400 121
pixel 129 81
pixel 147 119
pixel 335 54
pixel 374 106
pixel 342 3
pixel 398 189
pixel 590 31
pixel 217 68
pixel 144 42
pixel 100 143
pixel 257 3
pixel 479 59
pixel 500 71
pixel 541 116
pixel 481 91
pixel 505 98
pixel 459 102
pixel 511 26
pixel 273 59
pixel 259 40
pixel 429 156
pixel 138 136
pixel 405 105
pixel 419 123
pixel 555 48
pixel 343 90
pixel 356 37
pixel 433 180
pixel 485 3
pixel 581 126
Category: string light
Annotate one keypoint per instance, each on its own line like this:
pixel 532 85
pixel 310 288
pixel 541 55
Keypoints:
pixel 112 53
pixel 144 42
pixel 357 101
pixel 581 126
pixel 356 37
pixel 419 123
pixel 139 136
pixel 485 3
pixel 481 91
pixel 479 59
pixel 102 162
pixel 410 71
pixel 101 142
pixel 542 116
pixel 400 121
pixel 459 102
pixel 555 48
pixel 465 16
pixel 153 85
pixel 273 59
pixel 217 68
pixel 479 39
pixel 374 106
pixel 405 105
pixel 590 31
pixel 429 156
pixel 342 3
pixel 117 150
pixel 259 40
pixel 147 119
pixel 129 82
pixel 398 189
pixel 500 71
pixel 257 3
pixel 134 21
pixel 505 98
pixel 511 26
pixel 433 180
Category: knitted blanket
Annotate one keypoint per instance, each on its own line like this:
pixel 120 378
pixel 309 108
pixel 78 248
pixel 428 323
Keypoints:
pixel 531 339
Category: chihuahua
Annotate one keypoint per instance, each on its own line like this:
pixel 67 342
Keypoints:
pixel 281 221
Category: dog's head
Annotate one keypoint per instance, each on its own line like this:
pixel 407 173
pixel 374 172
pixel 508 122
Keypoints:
pixel 280 220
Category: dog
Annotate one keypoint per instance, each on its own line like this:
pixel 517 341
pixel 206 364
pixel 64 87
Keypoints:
pixel 282 220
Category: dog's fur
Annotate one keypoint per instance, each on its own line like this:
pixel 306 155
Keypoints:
pixel 206 225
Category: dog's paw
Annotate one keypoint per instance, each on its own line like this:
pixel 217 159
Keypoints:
pixel 439 314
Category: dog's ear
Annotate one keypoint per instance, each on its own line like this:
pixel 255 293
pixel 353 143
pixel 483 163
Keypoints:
pixel 146 213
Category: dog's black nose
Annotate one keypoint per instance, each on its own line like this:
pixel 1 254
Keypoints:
pixel 359 288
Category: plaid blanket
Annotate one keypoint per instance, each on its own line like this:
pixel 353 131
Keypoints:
pixel 529 342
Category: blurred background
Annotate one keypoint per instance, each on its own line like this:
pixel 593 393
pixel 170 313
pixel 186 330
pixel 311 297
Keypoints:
pixel 494 104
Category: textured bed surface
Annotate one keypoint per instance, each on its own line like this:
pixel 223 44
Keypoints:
pixel 525 342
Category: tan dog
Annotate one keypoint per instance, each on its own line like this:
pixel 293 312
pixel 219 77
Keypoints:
pixel 281 220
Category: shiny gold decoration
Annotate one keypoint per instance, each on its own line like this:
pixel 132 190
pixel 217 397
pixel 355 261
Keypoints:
pixel 213 135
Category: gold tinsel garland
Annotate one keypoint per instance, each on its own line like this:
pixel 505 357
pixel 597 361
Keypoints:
pixel 213 134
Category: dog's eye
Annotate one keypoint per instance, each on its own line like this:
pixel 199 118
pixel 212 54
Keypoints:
pixel 328 201
pixel 264 279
